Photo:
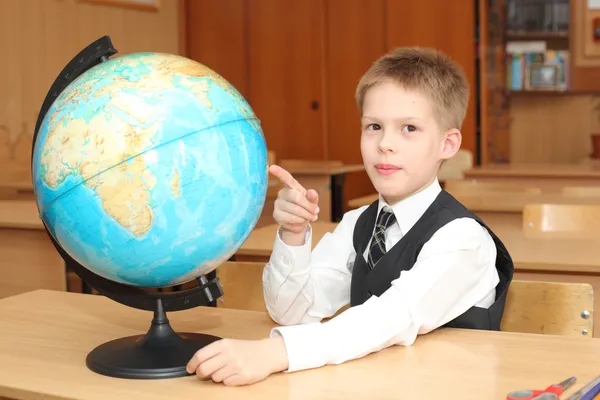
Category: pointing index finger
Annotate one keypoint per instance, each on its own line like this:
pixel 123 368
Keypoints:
pixel 286 178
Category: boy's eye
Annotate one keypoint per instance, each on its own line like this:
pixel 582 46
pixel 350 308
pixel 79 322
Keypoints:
pixel 374 127
pixel 409 128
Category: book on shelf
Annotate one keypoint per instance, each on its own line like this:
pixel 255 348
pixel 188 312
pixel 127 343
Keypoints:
pixel 537 16
pixel 535 70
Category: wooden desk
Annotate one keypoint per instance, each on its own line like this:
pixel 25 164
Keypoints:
pixel 502 208
pixel 581 255
pixel 259 245
pixel 549 177
pixel 15 184
pixel 28 260
pixel 45 337
pixel 327 178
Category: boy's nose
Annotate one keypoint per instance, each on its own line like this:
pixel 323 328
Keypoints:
pixel 385 144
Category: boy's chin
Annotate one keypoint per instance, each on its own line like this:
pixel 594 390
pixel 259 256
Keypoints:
pixel 393 192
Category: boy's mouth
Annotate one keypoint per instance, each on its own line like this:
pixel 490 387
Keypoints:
pixel 386 169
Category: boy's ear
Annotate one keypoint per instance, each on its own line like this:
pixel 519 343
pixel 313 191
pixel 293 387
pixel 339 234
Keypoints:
pixel 451 143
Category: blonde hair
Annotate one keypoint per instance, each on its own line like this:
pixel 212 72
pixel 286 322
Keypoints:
pixel 426 70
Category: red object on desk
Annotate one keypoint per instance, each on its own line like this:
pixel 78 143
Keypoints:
pixel 550 393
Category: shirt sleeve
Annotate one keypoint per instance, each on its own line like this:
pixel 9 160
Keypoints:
pixel 455 270
pixel 301 286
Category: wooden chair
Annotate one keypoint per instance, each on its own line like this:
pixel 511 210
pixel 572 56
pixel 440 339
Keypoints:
pixel 552 308
pixel 242 285
pixel 569 220
pixel 243 288
pixel 455 166
pixel 362 201
pixel 531 307
pixel 582 191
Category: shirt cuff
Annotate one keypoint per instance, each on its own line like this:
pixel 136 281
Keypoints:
pixel 301 343
pixel 287 257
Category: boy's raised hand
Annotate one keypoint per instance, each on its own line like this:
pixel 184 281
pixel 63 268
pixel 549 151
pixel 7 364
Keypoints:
pixel 295 207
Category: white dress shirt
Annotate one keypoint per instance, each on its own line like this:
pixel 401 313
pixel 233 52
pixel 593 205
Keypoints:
pixel 454 271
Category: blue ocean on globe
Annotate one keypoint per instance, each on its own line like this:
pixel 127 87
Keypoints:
pixel 150 169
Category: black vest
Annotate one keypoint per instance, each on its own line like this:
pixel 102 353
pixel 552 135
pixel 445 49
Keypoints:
pixel 403 255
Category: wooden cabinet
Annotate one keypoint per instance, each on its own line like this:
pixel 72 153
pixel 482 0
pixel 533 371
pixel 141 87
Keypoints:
pixel 298 62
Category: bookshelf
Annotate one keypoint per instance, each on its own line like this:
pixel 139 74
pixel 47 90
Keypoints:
pixel 531 84
pixel 537 45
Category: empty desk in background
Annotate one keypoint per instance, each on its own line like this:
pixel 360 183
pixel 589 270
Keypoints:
pixel 548 177
pixel 507 208
pixel 28 260
pixel 500 208
pixel 15 184
pixel 460 363
pixel 524 249
pixel 259 245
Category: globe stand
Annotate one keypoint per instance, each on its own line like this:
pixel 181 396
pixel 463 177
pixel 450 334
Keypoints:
pixel 160 353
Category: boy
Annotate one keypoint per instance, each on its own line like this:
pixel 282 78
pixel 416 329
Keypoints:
pixel 411 262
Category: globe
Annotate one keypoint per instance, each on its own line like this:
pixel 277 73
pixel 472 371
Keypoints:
pixel 150 169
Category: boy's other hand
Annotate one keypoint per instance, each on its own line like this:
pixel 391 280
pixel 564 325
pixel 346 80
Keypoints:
pixel 295 207
pixel 239 362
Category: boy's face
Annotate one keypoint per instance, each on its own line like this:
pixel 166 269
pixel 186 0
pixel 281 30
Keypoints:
pixel 402 144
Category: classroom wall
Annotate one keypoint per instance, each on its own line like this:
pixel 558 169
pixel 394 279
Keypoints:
pixel 39 37
pixel 297 62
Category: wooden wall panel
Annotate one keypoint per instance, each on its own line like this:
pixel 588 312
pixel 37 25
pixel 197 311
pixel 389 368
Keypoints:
pixel 446 25
pixel 286 71
pixel 216 36
pixel 39 37
pixel 351 47
pixel 551 129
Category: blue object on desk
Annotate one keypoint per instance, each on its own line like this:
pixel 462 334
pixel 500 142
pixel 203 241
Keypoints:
pixel 593 392
pixel 587 392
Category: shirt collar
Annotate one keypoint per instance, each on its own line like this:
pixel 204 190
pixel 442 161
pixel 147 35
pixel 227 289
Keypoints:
pixel 409 210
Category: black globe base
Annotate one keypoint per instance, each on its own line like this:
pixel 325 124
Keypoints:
pixel 159 354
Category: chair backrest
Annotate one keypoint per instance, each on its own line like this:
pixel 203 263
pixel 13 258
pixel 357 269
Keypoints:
pixel 582 191
pixel 242 285
pixel 572 220
pixel 553 308
pixel 454 167
pixel 475 187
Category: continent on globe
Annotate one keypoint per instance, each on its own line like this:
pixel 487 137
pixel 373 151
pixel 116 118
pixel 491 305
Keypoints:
pixel 150 169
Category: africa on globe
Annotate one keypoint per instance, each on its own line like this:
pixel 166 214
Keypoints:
pixel 150 169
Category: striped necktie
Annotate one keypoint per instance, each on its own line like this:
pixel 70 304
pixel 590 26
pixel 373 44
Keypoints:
pixel 385 219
